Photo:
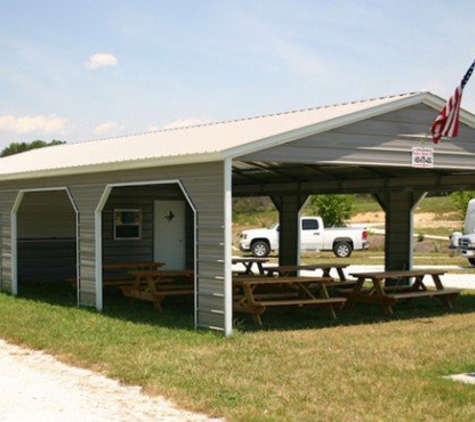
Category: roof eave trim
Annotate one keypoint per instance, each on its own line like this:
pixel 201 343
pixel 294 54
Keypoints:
pixel 438 103
pixel 116 166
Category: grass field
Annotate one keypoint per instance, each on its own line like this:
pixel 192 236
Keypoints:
pixel 302 366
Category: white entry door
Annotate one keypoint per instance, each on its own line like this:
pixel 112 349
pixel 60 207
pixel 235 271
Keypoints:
pixel 169 234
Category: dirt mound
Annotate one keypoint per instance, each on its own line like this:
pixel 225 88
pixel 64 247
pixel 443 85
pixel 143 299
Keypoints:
pixel 421 219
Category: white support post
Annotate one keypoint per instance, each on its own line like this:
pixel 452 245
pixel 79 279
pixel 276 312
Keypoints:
pixel 228 222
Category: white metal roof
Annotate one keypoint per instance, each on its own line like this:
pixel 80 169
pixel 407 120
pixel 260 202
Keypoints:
pixel 201 143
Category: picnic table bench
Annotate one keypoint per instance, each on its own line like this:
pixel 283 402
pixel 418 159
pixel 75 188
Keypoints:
pixel 339 284
pixel 156 285
pixel 118 273
pixel 325 268
pixel 388 296
pixel 249 264
pixel 249 297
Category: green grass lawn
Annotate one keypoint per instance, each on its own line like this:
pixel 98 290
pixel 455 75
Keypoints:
pixel 301 366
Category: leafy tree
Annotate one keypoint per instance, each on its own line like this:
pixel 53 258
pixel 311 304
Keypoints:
pixel 17 147
pixel 334 209
pixel 460 200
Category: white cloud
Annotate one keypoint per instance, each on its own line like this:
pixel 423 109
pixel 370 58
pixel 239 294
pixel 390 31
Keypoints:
pixel 101 60
pixel 106 127
pixel 28 124
pixel 190 121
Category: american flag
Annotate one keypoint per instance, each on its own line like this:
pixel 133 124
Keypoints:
pixel 447 122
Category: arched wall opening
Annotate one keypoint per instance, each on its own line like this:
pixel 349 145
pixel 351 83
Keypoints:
pixel 46 241
pixel 149 222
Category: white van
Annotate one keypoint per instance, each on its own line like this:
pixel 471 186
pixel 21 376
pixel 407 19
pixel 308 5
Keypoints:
pixel 465 243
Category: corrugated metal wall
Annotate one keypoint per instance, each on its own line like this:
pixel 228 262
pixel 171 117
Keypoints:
pixel 142 198
pixel 87 198
pixel 46 234
pixel 7 200
pixel 204 183
pixel 207 194
pixel 373 141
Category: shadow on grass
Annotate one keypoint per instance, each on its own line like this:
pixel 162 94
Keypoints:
pixel 289 319
pixel 178 313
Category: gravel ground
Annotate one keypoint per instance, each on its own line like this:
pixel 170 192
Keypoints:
pixel 36 387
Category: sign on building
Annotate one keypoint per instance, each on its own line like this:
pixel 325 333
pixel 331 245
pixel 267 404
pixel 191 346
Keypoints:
pixel 422 157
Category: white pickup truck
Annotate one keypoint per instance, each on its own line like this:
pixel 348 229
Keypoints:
pixel 313 237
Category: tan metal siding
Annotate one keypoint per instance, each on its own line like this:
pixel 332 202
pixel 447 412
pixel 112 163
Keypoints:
pixel 46 215
pixel 7 200
pixel 379 140
pixel 87 199
pixel 204 183
pixel 142 198
pixel 207 194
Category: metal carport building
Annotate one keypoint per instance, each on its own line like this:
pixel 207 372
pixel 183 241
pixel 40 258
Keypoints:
pixel 362 146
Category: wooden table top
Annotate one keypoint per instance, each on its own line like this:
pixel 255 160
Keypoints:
pixel 280 280
pixel 250 259
pixel 158 273
pixel 304 267
pixel 398 273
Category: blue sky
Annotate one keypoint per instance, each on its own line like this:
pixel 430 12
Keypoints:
pixel 79 70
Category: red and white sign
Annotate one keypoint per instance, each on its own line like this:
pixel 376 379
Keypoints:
pixel 422 157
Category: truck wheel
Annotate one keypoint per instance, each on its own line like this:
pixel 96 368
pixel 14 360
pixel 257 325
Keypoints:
pixel 472 261
pixel 342 249
pixel 260 249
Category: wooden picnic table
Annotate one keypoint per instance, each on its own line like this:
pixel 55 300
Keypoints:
pixel 387 296
pixel 156 285
pixel 289 270
pixel 118 273
pixel 248 264
pixel 252 294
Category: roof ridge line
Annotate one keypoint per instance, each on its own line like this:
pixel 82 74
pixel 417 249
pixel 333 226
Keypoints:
pixel 242 119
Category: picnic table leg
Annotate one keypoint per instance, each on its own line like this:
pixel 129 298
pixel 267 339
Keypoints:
pixel 447 302
pixel 260 268
pixel 439 286
pixel 379 291
pixel 324 295
pixel 418 285
pixel 257 319
pixel 437 282
pixel 249 298
pixel 353 297
pixel 341 274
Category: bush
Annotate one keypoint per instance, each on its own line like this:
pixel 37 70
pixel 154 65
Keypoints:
pixel 334 209
pixel 460 200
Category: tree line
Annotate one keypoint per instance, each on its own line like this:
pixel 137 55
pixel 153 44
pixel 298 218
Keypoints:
pixel 17 147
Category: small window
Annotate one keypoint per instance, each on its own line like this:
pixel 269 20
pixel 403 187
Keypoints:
pixel 309 224
pixel 127 224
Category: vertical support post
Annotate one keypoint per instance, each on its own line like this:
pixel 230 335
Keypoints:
pixel 90 201
pixel 8 243
pixel 14 243
pixel 399 207
pixel 289 230
pixel 228 223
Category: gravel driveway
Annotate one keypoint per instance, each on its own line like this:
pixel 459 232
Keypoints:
pixel 36 387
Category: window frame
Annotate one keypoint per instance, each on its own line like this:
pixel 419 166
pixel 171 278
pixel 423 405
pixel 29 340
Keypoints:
pixel 138 225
